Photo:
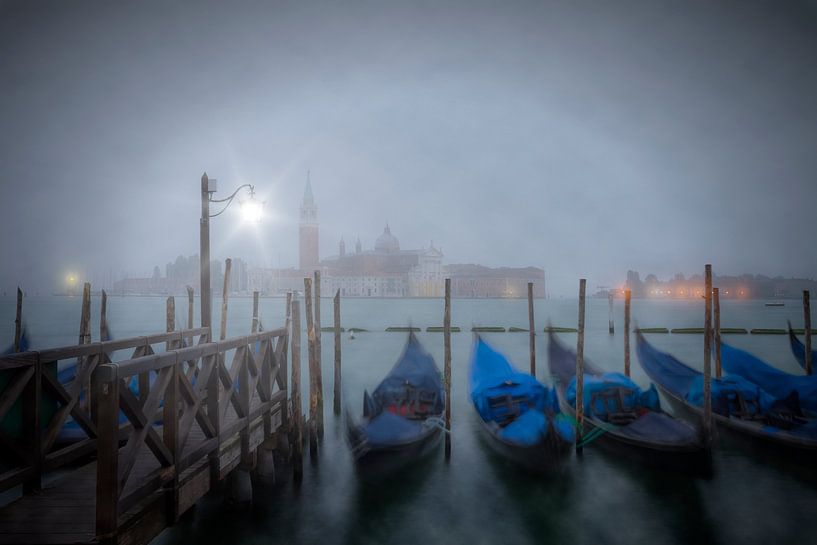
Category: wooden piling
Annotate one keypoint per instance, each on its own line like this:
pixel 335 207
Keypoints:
pixel 18 320
pixel 107 467
pixel 611 328
pixel 807 326
pixel 337 384
pixel 254 312
pixel 297 414
pixel 580 368
pixel 707 416
pixel 313 386
pixel 85 316
pixel 532 331
pixel 170 417
pixel 318 353
pixel 716 301
pixel 189 307
pixel 104 333
pixel 447 366
pixel 627 295
pixel 225 296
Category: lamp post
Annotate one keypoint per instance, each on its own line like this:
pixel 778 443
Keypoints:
pixel 252 213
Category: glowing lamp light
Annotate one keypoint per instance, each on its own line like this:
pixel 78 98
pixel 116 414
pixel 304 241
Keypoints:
pixel 251 211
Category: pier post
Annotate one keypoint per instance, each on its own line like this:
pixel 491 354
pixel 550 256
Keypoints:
pixel 297 415
pixel 225 297
pixel 627 295
pixel 611 328
pixel 580 368
pixel 707 408
pixel 337 384
pixel 189 307
pixel 716 302
pixel 204 261
pixel 254 328
pixel 447 366
pixel 170 418
pixel 313 386
pixel 104 333
pixel 318 354
pixel 807 325
pixel 18 320
pixel 85 338
pixel 532 331
pixel 106 384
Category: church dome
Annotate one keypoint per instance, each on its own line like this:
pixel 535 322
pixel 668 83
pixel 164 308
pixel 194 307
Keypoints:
pixel 387 242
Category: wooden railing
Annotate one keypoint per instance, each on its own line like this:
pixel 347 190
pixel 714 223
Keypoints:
pixel 46 405
pixel 194 387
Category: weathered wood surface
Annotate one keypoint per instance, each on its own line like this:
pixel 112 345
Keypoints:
pixel 447 365
pixel 337 377
pixel 716 301
pixel 149 471
pixel 627 296
pixel 531 331
pixel 580 367
pixel 707 418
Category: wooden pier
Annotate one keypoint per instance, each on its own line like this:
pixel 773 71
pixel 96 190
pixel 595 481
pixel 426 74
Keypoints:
pixel 166 417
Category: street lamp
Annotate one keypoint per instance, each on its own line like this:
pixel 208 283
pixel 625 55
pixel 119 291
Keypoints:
pixel 250 211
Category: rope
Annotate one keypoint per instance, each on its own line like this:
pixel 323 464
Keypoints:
pixel 600 429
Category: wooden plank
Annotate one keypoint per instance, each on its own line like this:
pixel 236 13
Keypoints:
pixel 532 331
pixel 225 297
pixel 297 413
pixel 627 294
pixel 447 365
pixel 707 413
pixel 318 355
pixel 716 300
pixel 313 384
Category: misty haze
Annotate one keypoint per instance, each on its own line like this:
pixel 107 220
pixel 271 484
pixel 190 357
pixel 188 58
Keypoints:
pixel 266 258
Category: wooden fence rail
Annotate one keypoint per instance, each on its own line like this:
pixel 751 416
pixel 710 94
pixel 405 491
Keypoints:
pixel 164 426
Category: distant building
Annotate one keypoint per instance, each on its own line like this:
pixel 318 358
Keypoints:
pixel 385 271
pixel 746 286
pixel 481 282
pixel 308 256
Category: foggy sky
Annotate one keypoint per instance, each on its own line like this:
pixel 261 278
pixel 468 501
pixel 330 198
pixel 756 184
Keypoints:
pixel 586 138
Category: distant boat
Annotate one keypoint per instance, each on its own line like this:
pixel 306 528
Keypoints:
pixel 519 414
pixel 775 304
pixel 402 418
pixel 799 351
pixel 624 417
pixel 738 405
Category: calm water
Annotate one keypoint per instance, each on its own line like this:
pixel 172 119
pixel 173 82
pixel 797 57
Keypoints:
pixel 477 497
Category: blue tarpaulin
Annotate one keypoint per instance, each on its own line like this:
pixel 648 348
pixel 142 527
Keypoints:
pixel 494 378
pixel 777 383
pixel 632 397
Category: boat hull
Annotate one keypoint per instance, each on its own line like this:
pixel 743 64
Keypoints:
pixel 379 459
pixel 687 458
pixel 546 456
pixel 746 432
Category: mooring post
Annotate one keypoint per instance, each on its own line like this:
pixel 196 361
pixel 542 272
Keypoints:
pixel 627 333
pixel 807 325
pixel 189 307
pixel 255 312
pixel 313 386
pixel 85 316
pixel 225 296
pixel 104 334
pixel 85 338
pixel 580 368
pixel 170 417
pixel 716 301
pixel 297 415
pixel 18 320
pixel 318 354
pixel 204 257
pixel 106 384
pixel 447 366
pixel 337 391
pixel 707 417
pixel 610 325
pixel 532 331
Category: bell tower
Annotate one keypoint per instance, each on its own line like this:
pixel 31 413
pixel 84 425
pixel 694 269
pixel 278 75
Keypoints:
pixel 308 258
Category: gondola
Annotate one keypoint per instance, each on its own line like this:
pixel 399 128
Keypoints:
pixel 799 351
pixel 520 416
pixel 770 379
pixel 402 418
pixel 624 418
pixel 738 406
